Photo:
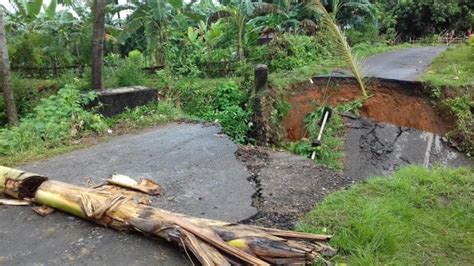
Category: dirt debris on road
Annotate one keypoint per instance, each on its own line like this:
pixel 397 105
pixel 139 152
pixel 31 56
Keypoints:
pixel 286 185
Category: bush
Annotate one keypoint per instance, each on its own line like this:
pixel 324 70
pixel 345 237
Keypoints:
pixel 28 92
pixel 460 107
pixel 53 123
pixel 364 35
pixel 130 71
pixel 289 51
pixel 226 108
pixel 470 41
pixel 148 115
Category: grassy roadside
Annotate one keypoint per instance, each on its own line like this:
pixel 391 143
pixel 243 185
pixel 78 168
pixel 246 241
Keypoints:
pixel 451 81
pixel 130 121
pixel 454 68
pixel 364 50
pixel 415 217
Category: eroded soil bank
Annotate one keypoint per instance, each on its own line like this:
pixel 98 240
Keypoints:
pixel 403 104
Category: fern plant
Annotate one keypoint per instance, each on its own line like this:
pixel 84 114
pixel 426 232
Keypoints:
pixel 342 45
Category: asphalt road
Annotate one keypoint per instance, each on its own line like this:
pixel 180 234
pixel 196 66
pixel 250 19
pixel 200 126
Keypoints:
pixel 194 163
pixel 405 64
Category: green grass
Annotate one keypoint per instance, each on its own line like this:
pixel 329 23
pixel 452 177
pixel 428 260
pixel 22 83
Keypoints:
pixel 148 115
pixel 283 79
pixel 453 68
pixel 415 217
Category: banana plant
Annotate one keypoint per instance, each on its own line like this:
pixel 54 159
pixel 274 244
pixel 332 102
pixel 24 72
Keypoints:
pixel 346 12
pixel 239 12
pixel 46 36
pixel 206 37
pixel 154 18
pixel 28 11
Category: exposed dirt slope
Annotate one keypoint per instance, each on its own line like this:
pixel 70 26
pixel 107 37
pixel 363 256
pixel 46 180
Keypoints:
pixel 399 104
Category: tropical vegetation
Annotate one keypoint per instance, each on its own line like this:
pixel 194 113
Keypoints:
pixel 200 54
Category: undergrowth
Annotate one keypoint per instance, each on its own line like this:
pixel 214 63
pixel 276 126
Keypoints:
pixel 60 124
pixel 53 123
pixel 147 115
pixel 416 217
pixel 331 150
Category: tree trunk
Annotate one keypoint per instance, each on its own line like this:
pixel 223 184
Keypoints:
pixel 212 242
pixel 240 46
pixel 5 76
pixel 98 33
pixel 19 184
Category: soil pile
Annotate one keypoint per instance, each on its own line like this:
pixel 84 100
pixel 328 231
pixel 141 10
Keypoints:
pixel 286 185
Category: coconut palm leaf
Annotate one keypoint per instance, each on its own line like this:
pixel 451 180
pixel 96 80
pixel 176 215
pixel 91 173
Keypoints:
pixel 342 46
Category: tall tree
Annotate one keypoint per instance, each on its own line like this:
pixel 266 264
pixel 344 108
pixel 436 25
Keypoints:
pixel 98 32
pixel 5 78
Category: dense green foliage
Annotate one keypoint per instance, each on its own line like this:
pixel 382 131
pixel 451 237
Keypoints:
pixel 201 53
pixel 417 216
pixel 192 38
pixel 223 102
pixel 60 123
pixel 421 18
pixel 54 122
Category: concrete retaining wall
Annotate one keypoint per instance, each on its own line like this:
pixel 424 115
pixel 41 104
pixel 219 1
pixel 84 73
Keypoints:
pixel 110 102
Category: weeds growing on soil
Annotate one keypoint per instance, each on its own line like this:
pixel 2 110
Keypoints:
pixel 53 123
pixel 331 151
pixel 417 216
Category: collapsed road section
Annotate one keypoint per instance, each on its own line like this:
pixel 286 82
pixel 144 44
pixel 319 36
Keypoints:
pixel 379 149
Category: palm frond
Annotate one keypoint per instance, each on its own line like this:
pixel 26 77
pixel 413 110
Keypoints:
pixel 342 45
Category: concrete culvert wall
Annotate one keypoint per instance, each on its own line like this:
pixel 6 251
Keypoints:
pixel 110 102
pixel 405 104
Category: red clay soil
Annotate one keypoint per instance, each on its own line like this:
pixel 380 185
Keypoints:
pixel 386 104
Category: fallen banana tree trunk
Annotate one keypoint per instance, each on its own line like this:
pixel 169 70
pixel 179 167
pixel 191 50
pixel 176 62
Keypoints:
pixel 212 242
